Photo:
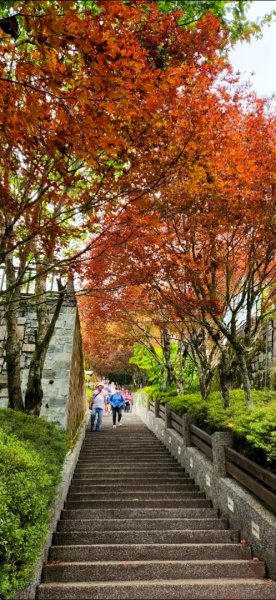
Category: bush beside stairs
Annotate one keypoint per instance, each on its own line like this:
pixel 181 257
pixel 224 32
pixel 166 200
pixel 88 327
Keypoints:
pixel 135 525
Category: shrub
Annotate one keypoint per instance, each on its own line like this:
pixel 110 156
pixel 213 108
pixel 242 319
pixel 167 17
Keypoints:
pixel 254 429
pixel 32 452
pixel 259 428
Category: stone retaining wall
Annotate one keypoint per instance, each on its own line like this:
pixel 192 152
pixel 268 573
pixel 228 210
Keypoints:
pixel 63 373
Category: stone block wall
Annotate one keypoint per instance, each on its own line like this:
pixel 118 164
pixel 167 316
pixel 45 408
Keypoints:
pixel 63 379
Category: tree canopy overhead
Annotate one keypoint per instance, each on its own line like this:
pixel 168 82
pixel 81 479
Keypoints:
pixel 126 142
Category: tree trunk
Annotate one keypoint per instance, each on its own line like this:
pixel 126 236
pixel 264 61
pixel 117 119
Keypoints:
pixel 245 379
pixel 46 327
pixel 224 381
pixel 164 382
pixel 34 391
pixel 168 377
pixel 205 381
pixel 12 343
pixel 180 386
pixel 225 395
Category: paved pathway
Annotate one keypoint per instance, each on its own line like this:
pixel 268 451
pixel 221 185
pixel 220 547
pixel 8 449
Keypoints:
pixel 136 526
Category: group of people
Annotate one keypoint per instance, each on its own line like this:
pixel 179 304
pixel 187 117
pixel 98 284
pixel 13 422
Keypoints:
pixel 105 397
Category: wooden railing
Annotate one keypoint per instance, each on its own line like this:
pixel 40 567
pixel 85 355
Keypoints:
pixel 202 440
pixel 252 476
pixel 162 411
pixel 177 423
pixel 258 480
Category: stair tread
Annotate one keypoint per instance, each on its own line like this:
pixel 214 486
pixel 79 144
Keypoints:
pixel 139 582
pixel 150 562
pixel 158 545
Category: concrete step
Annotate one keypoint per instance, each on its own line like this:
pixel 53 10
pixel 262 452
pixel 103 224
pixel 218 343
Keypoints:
pixel 121 442
pixel 219 536
pixel 125 479
pixel 106 441
pixel 121 462
pixel 126 470
pixel 139 503
pixel 150 552
pixel 107 474
pixel 231 589
pixel 121 448
pixel 141 487
pixel 124 453
pixel 140 524
pixel 150 462
pixel 154 569
pixel 129 448
pixel 129 466
pixel 140 513
pixel 135 495
pixel 109 467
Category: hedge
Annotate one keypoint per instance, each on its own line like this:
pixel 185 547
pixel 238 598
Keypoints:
pixel 32 452
pixel 254 429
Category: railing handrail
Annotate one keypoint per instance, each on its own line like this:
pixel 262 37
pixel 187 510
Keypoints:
pixel 251 484
pixel 241 461
pixel 176 418
pixel 203 435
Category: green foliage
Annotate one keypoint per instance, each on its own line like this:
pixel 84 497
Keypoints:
pixel 32 452
pixel 153 363
pixel 189 403
pixel 148 360
pixel 188 375
pixel 233 15
pixel 255 426
pixel 89 392
pixel 5 8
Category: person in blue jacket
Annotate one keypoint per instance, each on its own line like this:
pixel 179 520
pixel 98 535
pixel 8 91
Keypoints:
pixel 117 403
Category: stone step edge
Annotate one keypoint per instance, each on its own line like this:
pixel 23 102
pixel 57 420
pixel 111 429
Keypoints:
pixel 188 585
pixel 141 519
pixel 155 544
pixel 235 532
pixel 107 563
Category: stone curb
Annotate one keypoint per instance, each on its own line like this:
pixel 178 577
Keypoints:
pixel 69 465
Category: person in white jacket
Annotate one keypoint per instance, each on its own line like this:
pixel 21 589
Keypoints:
pixel 97 407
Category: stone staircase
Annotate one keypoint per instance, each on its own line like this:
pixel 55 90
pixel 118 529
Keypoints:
pixel 136 526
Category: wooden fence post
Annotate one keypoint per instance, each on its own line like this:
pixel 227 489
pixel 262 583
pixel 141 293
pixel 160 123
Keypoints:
pixel 220 439
pixel 168 420
pixel 156 408
pixel 187 420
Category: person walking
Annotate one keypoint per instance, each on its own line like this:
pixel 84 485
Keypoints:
pixel 117 403
pixel 128 400
pixel 97 407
